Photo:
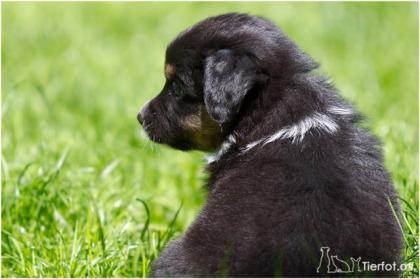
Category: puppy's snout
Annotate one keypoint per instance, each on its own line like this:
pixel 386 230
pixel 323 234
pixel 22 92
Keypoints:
pixel 142 113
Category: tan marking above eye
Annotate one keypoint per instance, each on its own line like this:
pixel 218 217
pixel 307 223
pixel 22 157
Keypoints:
pixel 170 71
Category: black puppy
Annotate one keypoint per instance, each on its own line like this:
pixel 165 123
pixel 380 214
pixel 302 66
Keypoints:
pixel 293 176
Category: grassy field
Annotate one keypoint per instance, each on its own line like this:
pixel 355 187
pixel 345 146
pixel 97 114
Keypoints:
pixel 85 194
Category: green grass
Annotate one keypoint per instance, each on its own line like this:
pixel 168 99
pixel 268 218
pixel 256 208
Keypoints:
pixel 85 194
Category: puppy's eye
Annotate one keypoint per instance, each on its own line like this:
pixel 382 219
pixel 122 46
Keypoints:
pixel 181 93
pixel 177 90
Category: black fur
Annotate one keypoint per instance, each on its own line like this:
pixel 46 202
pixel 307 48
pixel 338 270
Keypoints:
pixel 270 209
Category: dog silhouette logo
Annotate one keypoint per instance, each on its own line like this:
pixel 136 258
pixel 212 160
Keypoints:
pixel 333 264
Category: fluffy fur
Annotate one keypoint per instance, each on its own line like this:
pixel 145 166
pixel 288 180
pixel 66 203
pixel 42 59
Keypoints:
pixel 292 171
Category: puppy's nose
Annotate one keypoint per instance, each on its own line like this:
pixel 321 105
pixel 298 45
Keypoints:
pixel 139 118
pixel 142 113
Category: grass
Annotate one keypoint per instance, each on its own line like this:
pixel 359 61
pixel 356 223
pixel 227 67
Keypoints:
pixel 85 194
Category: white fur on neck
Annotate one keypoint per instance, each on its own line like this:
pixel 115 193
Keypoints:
pixel 340 110
pixel 296 132
pixel 222 150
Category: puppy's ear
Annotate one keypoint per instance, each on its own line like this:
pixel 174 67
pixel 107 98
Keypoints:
pixel 227 80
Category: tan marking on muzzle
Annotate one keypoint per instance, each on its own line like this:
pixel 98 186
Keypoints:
pixel 192 122
pixel 170 71
pixel 203 130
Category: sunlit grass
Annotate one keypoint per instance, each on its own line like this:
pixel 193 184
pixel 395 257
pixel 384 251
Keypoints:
pixel 84 193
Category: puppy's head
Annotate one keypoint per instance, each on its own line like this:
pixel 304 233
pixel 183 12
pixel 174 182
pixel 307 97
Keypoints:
pixel 211 70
